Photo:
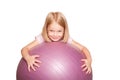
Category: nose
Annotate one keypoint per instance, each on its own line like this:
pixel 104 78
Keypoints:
pixel 55 33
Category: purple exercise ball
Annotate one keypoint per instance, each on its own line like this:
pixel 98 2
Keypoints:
pixel 60 61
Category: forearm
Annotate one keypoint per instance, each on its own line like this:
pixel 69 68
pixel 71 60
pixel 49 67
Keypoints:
pixel 84 50
pixel 25 53
pixel 87 54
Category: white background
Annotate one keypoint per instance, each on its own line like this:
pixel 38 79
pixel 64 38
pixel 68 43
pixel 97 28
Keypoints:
pixel 93 23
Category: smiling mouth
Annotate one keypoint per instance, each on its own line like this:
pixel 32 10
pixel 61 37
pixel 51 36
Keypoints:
pixel 55 38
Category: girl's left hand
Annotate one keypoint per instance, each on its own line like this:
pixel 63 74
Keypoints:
pixel 86 66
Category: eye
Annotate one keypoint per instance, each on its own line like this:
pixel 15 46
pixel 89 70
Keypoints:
pixel 51 30
pixel 59 30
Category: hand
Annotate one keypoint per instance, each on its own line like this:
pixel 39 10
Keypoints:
pixel 32 62
pixel 86 66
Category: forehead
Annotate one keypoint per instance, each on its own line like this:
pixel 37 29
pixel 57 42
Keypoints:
pixel 55 26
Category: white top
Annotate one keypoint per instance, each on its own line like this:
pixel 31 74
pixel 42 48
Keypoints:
pixel 40 39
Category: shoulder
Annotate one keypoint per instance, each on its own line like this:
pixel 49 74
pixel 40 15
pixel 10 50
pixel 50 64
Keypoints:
pixel 39 38
pixel 78 45
pixel 69 40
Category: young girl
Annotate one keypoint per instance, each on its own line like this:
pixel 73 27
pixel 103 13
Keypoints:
pixel 54 29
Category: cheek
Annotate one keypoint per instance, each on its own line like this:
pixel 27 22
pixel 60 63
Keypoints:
pixel 60 34
pixel 50 33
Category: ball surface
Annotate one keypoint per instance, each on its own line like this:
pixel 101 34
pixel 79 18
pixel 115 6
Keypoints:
pixel 60 61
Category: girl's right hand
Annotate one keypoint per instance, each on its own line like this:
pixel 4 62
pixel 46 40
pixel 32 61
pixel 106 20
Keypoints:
pixel 32 62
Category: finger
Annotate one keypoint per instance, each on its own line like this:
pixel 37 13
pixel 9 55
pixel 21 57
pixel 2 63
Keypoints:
pixel 38 61
pixel 33 68
pixel 29 68
pixel 87 72
pixel 37 65
pixel 83 60
pixel 36 56
pixel 83 65
pixel 84 69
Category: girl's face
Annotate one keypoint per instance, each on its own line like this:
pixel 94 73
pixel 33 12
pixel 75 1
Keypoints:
pixel 55 32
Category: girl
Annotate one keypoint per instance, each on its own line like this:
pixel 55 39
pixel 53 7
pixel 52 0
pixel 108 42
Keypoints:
pixel 54 29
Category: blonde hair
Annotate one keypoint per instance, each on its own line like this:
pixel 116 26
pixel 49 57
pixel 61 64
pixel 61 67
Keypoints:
pixel 61 20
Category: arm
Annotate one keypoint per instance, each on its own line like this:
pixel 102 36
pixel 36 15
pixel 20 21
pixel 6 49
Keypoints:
pixel 31 60
pixel 25 50
pixel 87 66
